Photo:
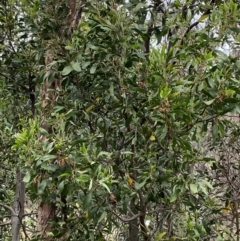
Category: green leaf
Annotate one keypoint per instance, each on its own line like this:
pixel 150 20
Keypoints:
pixel 158 35
pixel 111 90
pixel 189 15
pixel 209 102
pixel 90 185
pixel 207 6
pixel 83 178
pixel 91 46
pixel 193 188
pixel 58 108
pixel 203 17
pixel 48 157
pixel 175 195
pixel 215 132
pixel 47 167
pixel 42 186
pixel 221 129
pixel 231 100
pixel 236 30
pixel 64 175
pixel 103 215
pixel 49 147
pixel 104 154
pixel 138 7
pixel 105 185
pixel 69 48
pixel 61 186
pixel 43 131
pixel 237 63
pixel 173 198
pixel 125 205
pixel 67 70
pixel 27 177
pixel 69 114
pixel 127 153
pixel 209 185
pixel 93 68
pixel 140 185
pixel 87 201
pixel 141 55
pixel 86 64
pixel 76 67
pixel 164 131
pixel 127 4
pixel 159 236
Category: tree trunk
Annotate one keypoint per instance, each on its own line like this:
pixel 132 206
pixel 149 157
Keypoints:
pixel 134 224
pixel 47 209
pixel 46 213
pixel 18 206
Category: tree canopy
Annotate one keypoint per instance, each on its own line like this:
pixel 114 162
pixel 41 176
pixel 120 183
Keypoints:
pixel 119 120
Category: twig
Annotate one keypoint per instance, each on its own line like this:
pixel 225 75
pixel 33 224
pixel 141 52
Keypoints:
pixel 9 208
pixel 9 77
pixel 29 214
pixel 3 224
pixel 129 219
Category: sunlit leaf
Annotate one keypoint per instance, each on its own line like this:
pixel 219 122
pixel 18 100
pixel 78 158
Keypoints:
pixel 159 236
pixel 203 17
pixel 209 102
pixel 193 188
pixel 152 138
pixel 105 186
pixel 27 177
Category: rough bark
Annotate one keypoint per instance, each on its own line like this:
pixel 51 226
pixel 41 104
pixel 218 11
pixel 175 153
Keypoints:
pixel 18 206
pixel 46 213
pixel 49 95
pixel 47 209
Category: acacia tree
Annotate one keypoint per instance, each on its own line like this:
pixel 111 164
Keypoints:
pixel 120 94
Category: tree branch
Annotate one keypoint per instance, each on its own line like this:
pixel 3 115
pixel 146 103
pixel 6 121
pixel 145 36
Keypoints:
pixel 9 208
pixel 129 219
pixel 4 224
pixel 16 82
pixel 29 214
pixel 78 15
pixel 148 39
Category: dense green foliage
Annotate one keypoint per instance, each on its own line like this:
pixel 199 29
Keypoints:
pixel 134 133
